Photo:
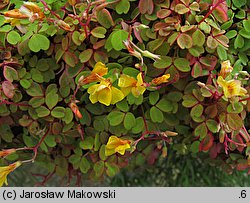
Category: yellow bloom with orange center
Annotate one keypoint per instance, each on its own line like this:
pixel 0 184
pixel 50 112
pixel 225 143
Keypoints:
pixel 160 80
pixel 116 145
pixel 96 74
pixel 105 93
pixel 5 170
pixel 226 69
pixel 129 84
pixel 7 152
pixel 231 88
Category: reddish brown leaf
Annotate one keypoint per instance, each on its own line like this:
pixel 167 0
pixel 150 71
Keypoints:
pixel 8 89
pixel 146 6
pixel 220 12
pixel 207 142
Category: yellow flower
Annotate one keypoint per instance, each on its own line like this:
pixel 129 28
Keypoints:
pixel 231 88
pixel 105 93
pixel 160 80
pixel 5 170
pixel 129 84
pixel 116 144
pixel 95 75
pixel 27 10
pixel 226 69
pixel 7 152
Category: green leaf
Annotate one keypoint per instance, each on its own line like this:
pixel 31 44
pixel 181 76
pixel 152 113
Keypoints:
pixel 182 64
pixel 165 105
pixel 50 140
pixel 154 97
pixel 51 99
pixel 181 9
pixel 99 168
pixel 87 143
pixel 139 125
pixel 111 169
pixel 13 37
pixel 163 62
pixel 123 6
pixel 239 42
pixel 240 3
pixel 117 39
pixel 156 115
pixel 244 33
pixel 102 153
pixel 231 34
pixel 104 18
pixel 129 121
pixel 99 32
pixel 235 108
pixel 6 133
pixel 195 147
pixel 10 73
pixel 213 126
pixel 198 38
pixel 184 41
pixel 42 111
pixel 85 55
pixel 5 28
pixel 196 51
pixel 197 111
pixel 123 105
pixel 201 130
pixel 68 116
pixel 75 159
pixel 174 96
pixel 36 75
pixel 35 90
pixel 84 165
pixel 189 101
pixel 115 118
pixel 75 38
pixel 234 121
pixel 25 83
pixel 246 24
pixel 58 112
pixel 222 53
pixel 2 20
pixel 35 102
pixel 38 42
pixel 70 58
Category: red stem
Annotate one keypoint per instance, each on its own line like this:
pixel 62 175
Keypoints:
pixel 52 12
pixel 212 8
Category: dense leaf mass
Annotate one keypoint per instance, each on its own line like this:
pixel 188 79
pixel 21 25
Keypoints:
pixel 90 87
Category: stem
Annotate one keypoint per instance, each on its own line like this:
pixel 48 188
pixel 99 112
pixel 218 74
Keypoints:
pixel 52 12
pixel 35 148
pixel 2 101
pixel 212 8
pixel 246 99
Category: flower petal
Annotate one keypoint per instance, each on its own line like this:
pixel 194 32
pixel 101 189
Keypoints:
pixel 100 69
pixel 139 80
pixel 137 91
pixel 105 96
pixel 122 148
pixel 126 81
pixel 117 95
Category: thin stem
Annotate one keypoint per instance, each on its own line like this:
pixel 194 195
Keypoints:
pixel 52 12
pixel 246 99
pixel 212 8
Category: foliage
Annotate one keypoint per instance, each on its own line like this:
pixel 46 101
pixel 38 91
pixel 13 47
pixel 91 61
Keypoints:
pixel 90 87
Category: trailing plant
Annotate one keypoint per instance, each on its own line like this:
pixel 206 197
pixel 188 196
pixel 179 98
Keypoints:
pixel 90 87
